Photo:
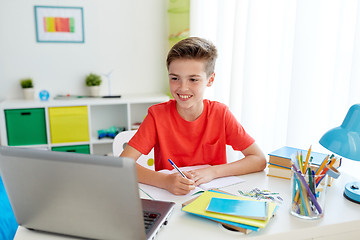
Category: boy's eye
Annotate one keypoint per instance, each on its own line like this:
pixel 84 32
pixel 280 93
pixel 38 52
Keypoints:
pixel 193 79
pixel 173 78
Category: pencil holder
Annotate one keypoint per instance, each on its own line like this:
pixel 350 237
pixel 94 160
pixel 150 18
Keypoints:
pixel 308 193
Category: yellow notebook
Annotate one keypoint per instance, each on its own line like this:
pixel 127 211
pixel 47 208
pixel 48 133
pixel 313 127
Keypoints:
pixel 199 205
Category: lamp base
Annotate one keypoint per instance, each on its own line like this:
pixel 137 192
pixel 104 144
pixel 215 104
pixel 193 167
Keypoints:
pixel 352 192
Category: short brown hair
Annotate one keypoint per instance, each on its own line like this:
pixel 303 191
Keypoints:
pixel 194 48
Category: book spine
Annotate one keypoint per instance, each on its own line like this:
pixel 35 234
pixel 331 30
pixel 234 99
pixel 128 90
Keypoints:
pixel 273 164
pixel 280 161
pixel 270 175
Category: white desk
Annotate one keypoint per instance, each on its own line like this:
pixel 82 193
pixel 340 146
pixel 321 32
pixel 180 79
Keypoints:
pixel 341 219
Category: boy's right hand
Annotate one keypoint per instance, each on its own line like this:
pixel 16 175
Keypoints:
pixel 179 185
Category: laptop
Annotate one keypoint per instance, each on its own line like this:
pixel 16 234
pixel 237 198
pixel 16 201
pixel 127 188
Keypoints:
pixel 81 195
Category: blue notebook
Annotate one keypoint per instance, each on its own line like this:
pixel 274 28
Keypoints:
pixel 242 208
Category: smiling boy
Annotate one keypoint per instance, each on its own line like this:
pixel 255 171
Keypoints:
pixel 191 130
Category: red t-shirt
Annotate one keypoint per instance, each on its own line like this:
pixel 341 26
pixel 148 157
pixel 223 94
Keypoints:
pixel 199 142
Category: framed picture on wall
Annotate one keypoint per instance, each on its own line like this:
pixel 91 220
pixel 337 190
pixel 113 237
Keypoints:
pixel 59 24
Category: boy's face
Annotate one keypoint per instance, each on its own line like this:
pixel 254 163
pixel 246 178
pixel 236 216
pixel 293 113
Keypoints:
pixel 188 81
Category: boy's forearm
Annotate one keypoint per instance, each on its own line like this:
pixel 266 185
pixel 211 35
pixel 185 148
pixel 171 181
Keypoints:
pixel 150 177
pixel 145 175
pixel 249 164
pixel 254 161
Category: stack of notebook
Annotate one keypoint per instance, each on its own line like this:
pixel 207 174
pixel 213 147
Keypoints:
pixel 235 212
pixel 280 161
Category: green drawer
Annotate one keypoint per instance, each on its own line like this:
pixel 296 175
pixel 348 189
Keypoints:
pixel 74 148
pixel 25 126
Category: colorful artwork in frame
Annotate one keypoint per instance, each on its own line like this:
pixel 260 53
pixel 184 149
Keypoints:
pixel 59 24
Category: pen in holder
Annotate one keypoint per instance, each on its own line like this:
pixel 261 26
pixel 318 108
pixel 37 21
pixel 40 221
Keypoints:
pixel 308 192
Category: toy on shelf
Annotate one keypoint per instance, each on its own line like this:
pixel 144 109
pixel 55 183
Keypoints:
pixel 110 132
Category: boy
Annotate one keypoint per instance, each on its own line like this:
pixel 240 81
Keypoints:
pixel 190 130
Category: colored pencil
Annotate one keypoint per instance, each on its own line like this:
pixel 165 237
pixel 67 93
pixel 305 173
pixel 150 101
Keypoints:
pixel 307 158
pixel 311 195
pixel 321 167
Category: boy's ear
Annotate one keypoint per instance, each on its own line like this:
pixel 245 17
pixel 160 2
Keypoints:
pixel 211 80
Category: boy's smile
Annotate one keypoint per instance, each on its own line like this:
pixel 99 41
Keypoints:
pixel 188 81
pixel 184 97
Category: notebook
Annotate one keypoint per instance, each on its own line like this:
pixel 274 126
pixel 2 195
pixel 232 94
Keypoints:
pixel 237 207
pixel 199 205
pixel 79 194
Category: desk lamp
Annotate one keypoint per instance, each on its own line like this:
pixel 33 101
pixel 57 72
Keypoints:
pixel 345 141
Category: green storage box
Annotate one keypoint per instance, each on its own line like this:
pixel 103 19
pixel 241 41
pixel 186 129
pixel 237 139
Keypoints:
pixel 73 148
pixel 25 126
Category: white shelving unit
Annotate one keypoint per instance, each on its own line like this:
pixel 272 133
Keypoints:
pixel 102 114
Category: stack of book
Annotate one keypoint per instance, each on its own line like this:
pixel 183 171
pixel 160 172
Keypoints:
pixel 280 161
pixel 234 212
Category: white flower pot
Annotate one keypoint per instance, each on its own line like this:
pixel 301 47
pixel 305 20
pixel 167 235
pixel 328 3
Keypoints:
pixel 28 93
pixel 94 91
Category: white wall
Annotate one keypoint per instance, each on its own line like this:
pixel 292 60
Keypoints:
pixel 128 35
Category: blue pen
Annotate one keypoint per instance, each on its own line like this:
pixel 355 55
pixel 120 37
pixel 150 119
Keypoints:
pixel 173 164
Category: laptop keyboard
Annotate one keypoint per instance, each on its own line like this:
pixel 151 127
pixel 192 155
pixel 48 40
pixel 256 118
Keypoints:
pixel 149 219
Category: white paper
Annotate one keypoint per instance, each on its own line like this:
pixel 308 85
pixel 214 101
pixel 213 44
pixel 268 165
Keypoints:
pixel 162 194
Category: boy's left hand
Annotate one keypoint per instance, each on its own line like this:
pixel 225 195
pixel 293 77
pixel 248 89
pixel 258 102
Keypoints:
pixel 203 175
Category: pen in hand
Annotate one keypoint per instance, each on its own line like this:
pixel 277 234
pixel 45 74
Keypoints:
pixel 173 164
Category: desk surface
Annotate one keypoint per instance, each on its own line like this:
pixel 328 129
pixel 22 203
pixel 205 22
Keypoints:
pixel 341 218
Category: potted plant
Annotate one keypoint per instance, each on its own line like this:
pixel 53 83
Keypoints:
pixel 27 88
pixel 93 81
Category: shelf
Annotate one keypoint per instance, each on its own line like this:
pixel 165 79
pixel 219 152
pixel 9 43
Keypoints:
pixel 102 141
pixel 68 144
pixel 125 99
pixel 103 113
pixel 40 146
